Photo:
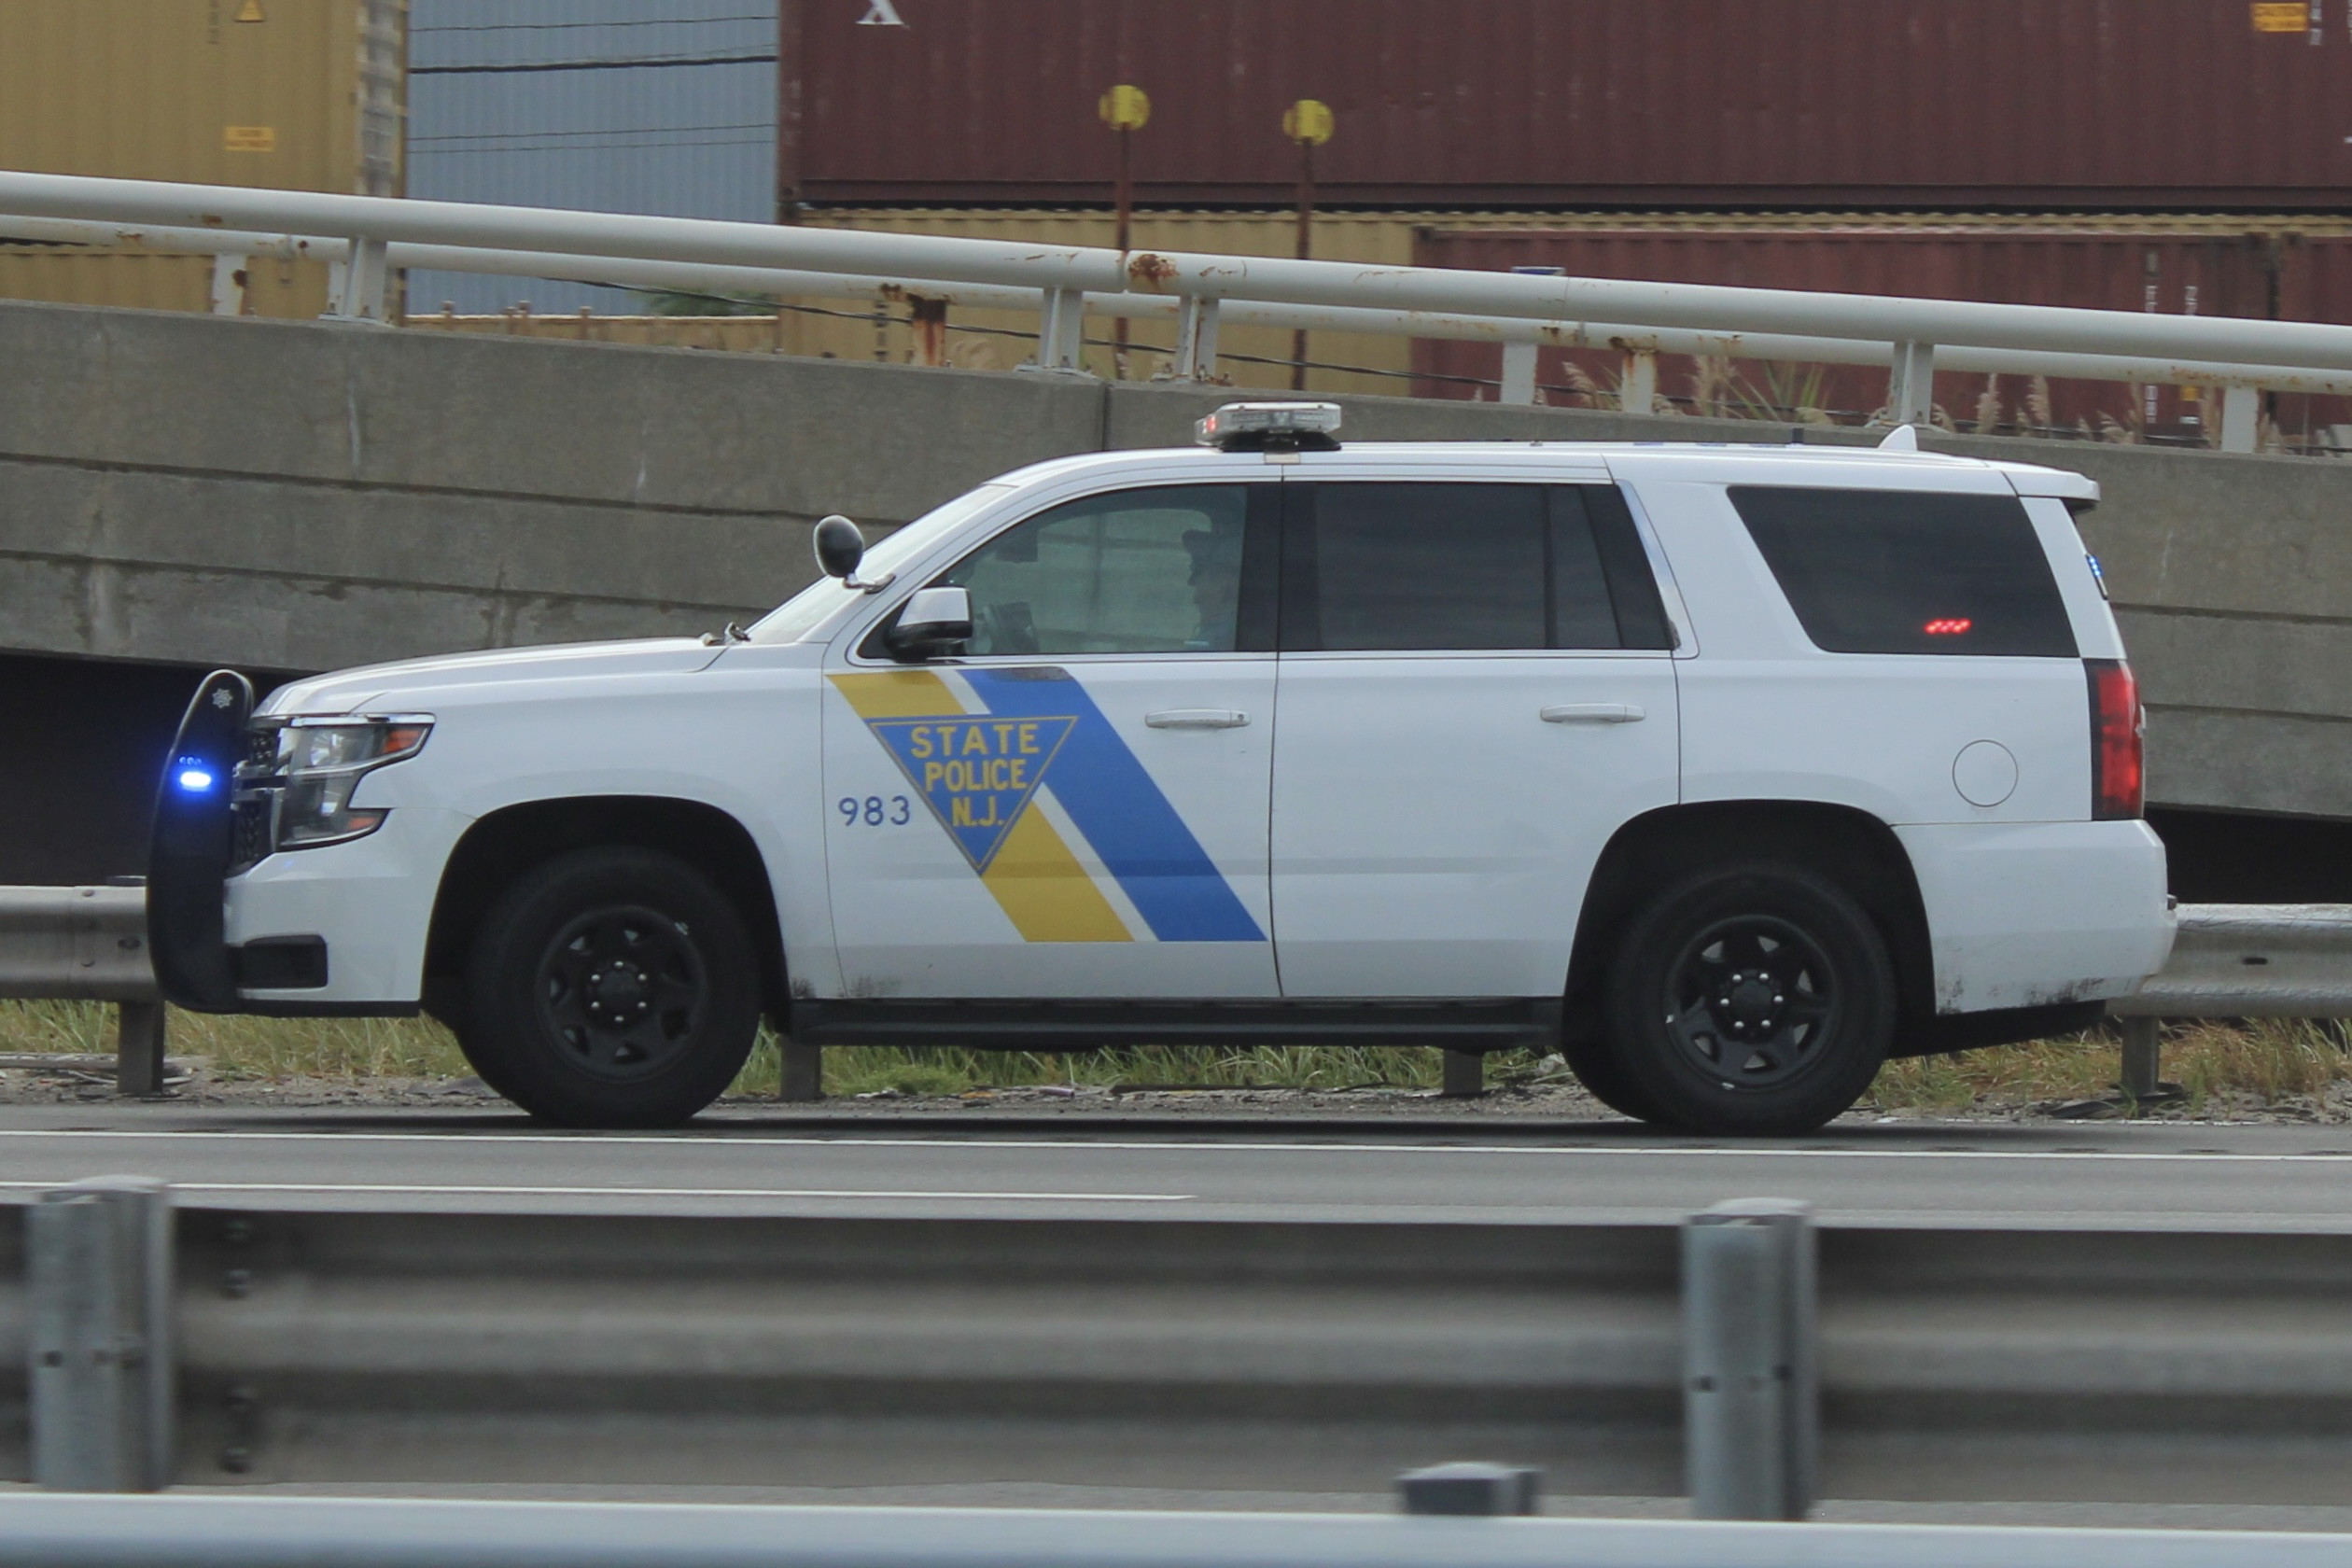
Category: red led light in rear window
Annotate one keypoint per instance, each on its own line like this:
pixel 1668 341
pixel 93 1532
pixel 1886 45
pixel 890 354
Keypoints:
pixel 1948 625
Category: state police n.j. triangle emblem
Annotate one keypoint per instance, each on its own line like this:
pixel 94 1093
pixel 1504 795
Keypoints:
pixel 976 773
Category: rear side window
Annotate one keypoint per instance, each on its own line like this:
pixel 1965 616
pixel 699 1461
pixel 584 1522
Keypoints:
pixel 1410 567
pixel 1896 571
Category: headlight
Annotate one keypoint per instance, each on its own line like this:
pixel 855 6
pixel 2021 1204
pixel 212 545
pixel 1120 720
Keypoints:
pixel 299 784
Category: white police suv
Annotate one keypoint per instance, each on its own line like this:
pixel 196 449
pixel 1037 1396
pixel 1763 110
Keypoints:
pixel 1729 772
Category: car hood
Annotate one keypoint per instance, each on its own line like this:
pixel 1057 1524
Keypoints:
pixel 342 691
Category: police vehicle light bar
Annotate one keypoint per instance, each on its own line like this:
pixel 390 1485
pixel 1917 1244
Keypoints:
pixel 1271 428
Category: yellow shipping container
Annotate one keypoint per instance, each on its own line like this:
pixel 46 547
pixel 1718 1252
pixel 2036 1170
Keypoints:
pixel 288 94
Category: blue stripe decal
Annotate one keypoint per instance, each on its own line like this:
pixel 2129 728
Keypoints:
pixel 1130 824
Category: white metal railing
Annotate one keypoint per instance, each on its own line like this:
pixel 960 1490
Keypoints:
pixel 366 239
pixel 99 1531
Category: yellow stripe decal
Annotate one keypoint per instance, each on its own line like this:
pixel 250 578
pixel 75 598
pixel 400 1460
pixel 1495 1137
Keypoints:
pixel 898 695
pixel 1045 890
pixel 1034 876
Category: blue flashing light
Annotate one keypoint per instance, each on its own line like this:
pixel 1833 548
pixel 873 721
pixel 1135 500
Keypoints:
pixel 195 780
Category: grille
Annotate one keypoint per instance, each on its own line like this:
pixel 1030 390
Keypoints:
pixel 252 826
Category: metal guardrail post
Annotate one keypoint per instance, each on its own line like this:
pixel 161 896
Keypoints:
pixel 803 1072
pixel 1751 1398
pixel 229 275
pixel 98 1268
pixel 1637 388
pixel 1463 1074
pixel 1910 388
pixel 139 1041
pixel 1518 372
pixel 355 287
pixel 1061 329
pixel 2141 1052
pixel 1196 340
pixel 2241 417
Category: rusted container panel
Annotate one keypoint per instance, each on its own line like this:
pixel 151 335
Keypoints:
pixel 1543 102
pixel 2259 272
pixel 291 95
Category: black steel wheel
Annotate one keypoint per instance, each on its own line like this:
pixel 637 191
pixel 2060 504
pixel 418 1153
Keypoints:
pixel 1750 999
pixel 623 989
pixel 611 987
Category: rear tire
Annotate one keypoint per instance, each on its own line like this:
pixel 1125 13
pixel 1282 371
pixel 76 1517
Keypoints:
pixel 611 988
pixel 1751 999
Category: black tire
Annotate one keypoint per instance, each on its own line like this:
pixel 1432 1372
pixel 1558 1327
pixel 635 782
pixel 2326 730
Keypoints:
pixel 1597 1070
pixel 1750 999
pixel 611 988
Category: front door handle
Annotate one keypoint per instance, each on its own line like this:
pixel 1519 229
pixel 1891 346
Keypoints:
pixel 1197 719
pixel 1593 713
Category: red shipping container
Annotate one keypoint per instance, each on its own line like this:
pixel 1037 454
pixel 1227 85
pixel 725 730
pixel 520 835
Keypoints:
pixel 2024 104
pixel 2258 274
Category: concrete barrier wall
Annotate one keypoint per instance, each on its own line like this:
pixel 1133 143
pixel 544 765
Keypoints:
pixel 303 496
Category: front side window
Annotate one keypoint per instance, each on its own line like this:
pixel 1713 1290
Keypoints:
pixel 1155 570
pixel 1898 571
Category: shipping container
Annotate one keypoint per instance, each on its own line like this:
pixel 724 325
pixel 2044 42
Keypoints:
pixel 663 107
pixel 2261 271
pixel 2188 105
pixel 288 94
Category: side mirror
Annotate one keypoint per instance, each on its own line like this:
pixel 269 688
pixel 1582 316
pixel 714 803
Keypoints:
pixel 839 546
pixel 934 621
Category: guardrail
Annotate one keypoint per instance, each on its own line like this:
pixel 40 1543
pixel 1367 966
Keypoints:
pixel 2230 961
pixel 407 1532
pixel 89 943
pixel 366 239
pixel 2239 960
pixel 1711 1359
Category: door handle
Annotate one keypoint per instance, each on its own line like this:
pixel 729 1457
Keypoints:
pixel 1593 713
pixel 1195 719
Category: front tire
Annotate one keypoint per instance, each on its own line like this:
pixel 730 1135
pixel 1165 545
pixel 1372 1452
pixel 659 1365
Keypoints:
pixel 611 988
pixel 1753 998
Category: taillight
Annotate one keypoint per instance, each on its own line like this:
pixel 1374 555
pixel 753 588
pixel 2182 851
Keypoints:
pixel 2116 727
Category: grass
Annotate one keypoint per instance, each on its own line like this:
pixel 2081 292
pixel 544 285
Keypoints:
pixel 2218 1066
pixel 2221 1068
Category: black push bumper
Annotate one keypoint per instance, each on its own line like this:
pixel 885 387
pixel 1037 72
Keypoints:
pixel 192 845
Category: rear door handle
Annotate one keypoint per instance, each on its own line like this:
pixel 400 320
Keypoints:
pixel 1593 713
pixel 1197 719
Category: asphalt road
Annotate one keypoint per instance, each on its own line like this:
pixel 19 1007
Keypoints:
pixel 1137 1168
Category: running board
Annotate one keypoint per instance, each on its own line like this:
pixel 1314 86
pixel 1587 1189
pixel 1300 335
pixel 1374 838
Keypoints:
pixel 1474 1024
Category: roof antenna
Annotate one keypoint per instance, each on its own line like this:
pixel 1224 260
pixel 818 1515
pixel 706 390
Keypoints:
pixel 1903 437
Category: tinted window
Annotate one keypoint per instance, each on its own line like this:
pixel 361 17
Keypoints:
pixel 1135 572
pixel 1641 614
pixel 1888 571
pixel 1444 567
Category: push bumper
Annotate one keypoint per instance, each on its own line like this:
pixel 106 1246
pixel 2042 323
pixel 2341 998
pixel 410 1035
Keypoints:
pixel 335 931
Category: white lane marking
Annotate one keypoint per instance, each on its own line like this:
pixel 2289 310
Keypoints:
pixel 648 1191
pixel 575 1142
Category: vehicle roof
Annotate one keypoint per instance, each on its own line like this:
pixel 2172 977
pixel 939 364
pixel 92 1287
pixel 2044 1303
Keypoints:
pixel 2029 478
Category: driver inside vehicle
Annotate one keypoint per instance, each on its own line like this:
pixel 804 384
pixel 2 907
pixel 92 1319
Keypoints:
pixel 1154 570
pixel 1215 578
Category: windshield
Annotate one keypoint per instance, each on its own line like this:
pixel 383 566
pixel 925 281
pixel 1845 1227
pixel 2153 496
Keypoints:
pixel 814 605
